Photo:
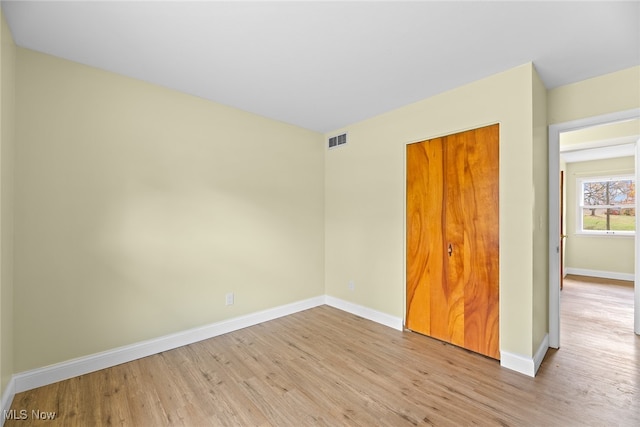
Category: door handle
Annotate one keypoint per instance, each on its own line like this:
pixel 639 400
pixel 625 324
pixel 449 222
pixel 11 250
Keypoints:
pixel 450 250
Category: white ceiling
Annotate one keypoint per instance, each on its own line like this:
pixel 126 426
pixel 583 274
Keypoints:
pixel 323 65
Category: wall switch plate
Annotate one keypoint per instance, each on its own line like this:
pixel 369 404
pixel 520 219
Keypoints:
pixel 229 299
pixel 351 285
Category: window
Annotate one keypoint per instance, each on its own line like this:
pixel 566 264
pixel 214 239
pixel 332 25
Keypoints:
pixel 607 205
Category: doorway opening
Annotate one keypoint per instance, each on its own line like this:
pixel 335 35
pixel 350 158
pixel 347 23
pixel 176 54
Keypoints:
pixel 555 132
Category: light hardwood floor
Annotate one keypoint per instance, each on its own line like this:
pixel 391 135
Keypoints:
pixel 325 367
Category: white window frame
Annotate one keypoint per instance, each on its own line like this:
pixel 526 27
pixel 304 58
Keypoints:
pixel 580 206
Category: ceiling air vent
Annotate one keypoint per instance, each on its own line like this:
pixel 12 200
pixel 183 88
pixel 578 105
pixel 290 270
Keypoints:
pixel 336 141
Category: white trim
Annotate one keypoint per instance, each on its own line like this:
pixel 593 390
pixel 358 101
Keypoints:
pixel 554 236
pixel 606 234
pixel 598 273
pixel 542 351
pixel 636 287
pixel 554 213
pixel 524 364
pixel 517 362
pixel 7 398
pixel 623 140
pixel 83 365
pixel 365 312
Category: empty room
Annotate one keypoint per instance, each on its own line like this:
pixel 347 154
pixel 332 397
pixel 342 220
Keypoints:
pixel 319 213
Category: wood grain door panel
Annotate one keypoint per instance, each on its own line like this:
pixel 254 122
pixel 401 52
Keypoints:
pixel 453 239
pixel 481 329
pixel 447 298
pixel 424 245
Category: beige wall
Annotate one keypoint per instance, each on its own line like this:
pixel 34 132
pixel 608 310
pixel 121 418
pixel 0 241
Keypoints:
pixel 138 208
pixel 613 254
pixel 541 214
pixel 7 138
pixel 610 93
pixel 618 131
pixel 365 188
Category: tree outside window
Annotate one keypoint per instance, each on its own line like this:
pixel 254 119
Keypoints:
pixel 608 205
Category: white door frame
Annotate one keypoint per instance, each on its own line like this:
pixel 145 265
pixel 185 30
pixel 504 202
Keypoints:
pixel 636 286
pixel 554 216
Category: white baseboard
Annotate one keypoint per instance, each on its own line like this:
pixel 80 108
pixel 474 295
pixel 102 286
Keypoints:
pixel 7 398
pixel 518 363
pixel 83 365
pixel 598 273
pixel 525 365
pixel 367 313
pixel 542 351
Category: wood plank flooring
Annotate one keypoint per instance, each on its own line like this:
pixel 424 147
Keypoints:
pixel 324 367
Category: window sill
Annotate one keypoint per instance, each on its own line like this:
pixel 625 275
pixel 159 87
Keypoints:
pixel 604 234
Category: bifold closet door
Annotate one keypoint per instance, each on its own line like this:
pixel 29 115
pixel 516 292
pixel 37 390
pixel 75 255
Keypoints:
pixel 453 239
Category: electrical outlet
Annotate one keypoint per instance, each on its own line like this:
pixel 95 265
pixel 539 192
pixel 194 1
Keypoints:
pixel 352 285
pixel 229 299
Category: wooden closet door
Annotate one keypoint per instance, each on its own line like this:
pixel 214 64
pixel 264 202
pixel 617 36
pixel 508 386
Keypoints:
pixel 448 297
pixel 452 239
pixel 482 247
pixel 425 243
